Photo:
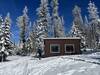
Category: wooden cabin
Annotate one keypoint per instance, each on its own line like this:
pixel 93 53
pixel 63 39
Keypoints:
pixel 61 46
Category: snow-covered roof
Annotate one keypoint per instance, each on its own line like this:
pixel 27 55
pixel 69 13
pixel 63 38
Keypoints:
pixel 64 38
pixel 98 20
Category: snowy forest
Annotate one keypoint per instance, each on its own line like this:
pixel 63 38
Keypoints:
pixel 32 50
pixel 49 24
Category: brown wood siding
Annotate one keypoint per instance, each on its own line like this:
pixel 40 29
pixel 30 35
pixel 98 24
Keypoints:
pixel 62 43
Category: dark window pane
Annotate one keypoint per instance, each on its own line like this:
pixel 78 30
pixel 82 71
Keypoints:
pixel 69 48
pixel 55 48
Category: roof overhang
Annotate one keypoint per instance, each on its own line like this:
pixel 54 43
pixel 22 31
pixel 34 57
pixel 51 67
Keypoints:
pixel 62 38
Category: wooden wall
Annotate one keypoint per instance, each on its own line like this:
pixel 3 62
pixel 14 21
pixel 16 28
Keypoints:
pixel 62 43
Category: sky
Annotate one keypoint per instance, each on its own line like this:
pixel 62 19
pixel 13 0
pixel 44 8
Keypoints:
pixel 15 8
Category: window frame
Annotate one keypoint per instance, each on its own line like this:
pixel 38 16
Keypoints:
pixel 70 45
pixel 55 45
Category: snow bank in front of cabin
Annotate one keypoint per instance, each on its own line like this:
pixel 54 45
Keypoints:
pixel 60 65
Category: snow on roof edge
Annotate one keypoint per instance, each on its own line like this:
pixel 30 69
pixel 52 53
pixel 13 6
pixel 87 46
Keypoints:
pixel 64 38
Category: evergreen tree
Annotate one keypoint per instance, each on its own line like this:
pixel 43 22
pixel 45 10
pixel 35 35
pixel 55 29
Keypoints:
pixel 29 40
pixel 7 32
pixel 98 32
pixel 78 26
pixel 2 48
pixel 5 43
pixel 1 25
pixel 22 22
pixel 86 23
pixel 33 37
pixel 57 21
pixel 42 23
pixel 93 11
pixel 98 27
pixel 93 25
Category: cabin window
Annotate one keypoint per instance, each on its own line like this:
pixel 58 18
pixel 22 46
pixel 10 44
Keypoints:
pixel 54 48
pixel 69 48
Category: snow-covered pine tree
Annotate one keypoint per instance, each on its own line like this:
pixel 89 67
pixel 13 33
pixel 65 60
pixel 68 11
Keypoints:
pixel 23 22
pixel 57 21
pixel 42 23
pixel 78 26
pixel 86 26
pixel 1 23
pixel 28 45
pixel 98 32
pixel 86 22
pixel 93 11
pixel 98 28
pixel 2 40
pixel 62 26
pixel 33 37
pixel 93 25
pixel 5 43
pixel 7 32
pixel 31 42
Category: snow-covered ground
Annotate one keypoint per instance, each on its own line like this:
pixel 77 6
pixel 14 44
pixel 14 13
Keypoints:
pixel 60 65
